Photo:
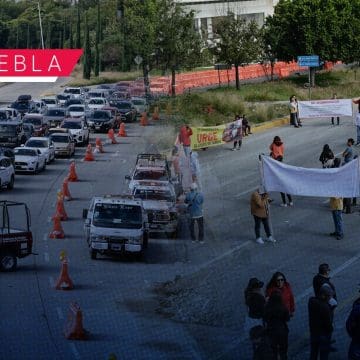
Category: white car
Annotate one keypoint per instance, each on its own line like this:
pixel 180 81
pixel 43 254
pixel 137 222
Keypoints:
pixel 29 159
pixel 7 173
pixel 75 92
pixel 76 111
pixel 78 129
pixel 140 105
pixel 64 144
pixel 97 103
pixel 45 145
pixel 50 101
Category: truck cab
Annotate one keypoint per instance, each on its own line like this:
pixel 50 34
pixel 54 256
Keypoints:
pixel 115 224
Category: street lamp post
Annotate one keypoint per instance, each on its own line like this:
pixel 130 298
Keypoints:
pixel 41 29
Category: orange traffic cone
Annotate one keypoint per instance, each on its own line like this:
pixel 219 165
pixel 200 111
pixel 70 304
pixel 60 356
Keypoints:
pixel 155 115
pixel 72 173
pixel 122 131
pixel 99 145
pixel 74 329
pixel 89 156
pixel 111 136
pixel 60 209
pixel 57 232
pixel 144 119
pixel 65 190
pixel 64 282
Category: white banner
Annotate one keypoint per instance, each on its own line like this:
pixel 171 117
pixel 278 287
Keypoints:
pixel 325 108
pixel 338 182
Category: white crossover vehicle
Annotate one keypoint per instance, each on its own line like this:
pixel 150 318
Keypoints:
pixel 97 103
pixel 29 159
pixel 78 129
pixel 44 145
pixel 7 173
pixel 76 111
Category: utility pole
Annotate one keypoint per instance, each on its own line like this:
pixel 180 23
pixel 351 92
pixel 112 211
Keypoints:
pixel 41 29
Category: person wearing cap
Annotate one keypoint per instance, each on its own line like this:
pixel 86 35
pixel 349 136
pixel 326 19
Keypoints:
pixel 259 204
pixel 195 200
pixel 320 323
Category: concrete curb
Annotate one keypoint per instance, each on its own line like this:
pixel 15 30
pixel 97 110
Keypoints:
pixel 270 124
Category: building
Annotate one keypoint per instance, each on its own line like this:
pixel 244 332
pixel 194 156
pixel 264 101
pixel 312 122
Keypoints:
pixel 209 12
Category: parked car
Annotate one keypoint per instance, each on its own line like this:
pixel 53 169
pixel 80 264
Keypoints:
pixel 74 101
pixel 76 111
pixel 11 133
pixel 98 93
pixel 100 120
pixel 62 98
pixel 4 115
pixel 58 130
pixel 97 103
pixel 54 116
pixel 44 145
pixel 9 153
pixel 28 159
pixel 115 113
pixel 11 113
pixel 29 130
pixel 38 121
pixel 140 105
pixel 40 107
pixel 50 101
pixel 79 130
pixel 64 144
pixel 127 110
pixel 75 92
pixel 7 173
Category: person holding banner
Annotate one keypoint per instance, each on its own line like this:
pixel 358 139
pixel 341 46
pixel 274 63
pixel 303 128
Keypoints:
pixel 185 139
pixel 237 132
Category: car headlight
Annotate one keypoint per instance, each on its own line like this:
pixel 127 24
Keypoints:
pixel 134 240
pixel 31 162
pixel 98 239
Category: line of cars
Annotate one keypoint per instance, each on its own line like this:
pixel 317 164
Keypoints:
pixel 116 224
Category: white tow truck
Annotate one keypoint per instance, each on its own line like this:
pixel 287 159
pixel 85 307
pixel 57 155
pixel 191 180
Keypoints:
pixel 115 224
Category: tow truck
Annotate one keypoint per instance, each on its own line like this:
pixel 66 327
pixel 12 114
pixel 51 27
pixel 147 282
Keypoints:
pixel 16 239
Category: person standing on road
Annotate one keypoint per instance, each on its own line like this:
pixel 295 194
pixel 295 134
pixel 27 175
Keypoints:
pixel 278 283
pixel 293 108
pixel 320 323
pixel 327 157
pixel 185 139
pixel 353 329
pixel 255 302
pixel 323 279
pixel 337 118
pixel 246 126
pixel 195 200
pixel 237 132
pixel 195 168
pixel 336 206
pixel 259 204
pixel 276 316
pixel 277 153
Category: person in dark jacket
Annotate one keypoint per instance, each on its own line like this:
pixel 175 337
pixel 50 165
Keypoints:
pixel 323 277
pixel 353 329
pixel 327 157
pixel 276 316
pixel 320 323
pixel 254 299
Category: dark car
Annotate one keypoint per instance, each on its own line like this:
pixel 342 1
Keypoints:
pixel 11 134
pixel 54 116
pixel 9 153
pixel 38 121
pixel 23 106
pixel 100 120
pixel 127 110
pixel 24 98
pixel 73 101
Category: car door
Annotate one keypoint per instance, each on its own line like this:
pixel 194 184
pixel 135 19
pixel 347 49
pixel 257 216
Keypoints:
pixel 5 168
pixel 41 159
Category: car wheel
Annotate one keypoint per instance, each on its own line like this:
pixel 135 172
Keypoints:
pixel 11 183
pixel 93 254
pixel 8 262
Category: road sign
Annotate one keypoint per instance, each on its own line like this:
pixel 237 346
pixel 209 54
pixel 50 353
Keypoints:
pixel 308 60
pixel 138 59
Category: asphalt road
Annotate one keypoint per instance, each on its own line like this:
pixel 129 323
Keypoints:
pixel 117 295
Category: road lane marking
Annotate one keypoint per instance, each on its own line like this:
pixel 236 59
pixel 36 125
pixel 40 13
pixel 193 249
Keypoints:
pixel 51 281
pixel 60 313
pixel 246 192
pixel 75 351
pixel 47 257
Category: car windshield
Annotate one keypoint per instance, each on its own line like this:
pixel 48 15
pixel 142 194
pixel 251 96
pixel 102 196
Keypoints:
pixel 72 91
pixel 9 129
pixel 138 102
pixel 77 108
pixel 59 138
pixel 71 125
pixel 96 101
pixel 54 112
pixel 33 121
pixel 25 152
pixel 159 175
pixel 62 97
pixel 94 94
pixel 100 115
pixel 117 216
pixel 37 143
pixel 49 101
pixel 152 194
pixel 3 116
pixel 123 105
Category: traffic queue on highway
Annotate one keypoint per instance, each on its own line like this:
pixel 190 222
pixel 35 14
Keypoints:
pixel 35 131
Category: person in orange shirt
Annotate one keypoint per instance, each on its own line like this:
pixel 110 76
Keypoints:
pixel 277 153
pixel 185 139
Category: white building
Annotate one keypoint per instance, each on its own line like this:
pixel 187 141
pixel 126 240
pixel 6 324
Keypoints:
pixel 208 12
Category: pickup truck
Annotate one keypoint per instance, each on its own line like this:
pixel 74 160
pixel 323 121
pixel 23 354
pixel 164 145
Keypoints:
pixel 16 239
pixel 115 224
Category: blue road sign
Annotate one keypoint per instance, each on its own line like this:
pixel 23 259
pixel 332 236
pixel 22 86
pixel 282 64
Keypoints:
pixel 308 60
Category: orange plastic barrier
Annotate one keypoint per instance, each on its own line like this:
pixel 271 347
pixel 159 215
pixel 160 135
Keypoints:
pixel 144 119
pixel 99 145
pixel 111 136
pixel 60 208
pixel 65 190
pixel 64 282
pixel 74 329
pixel 122 131
pixel 57 232
pixel 72 173
pixel 89 156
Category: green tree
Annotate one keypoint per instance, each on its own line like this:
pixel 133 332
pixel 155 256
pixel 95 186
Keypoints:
pixel 78 26
pixel 87 52
pixel 236 42
pixel 97 42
